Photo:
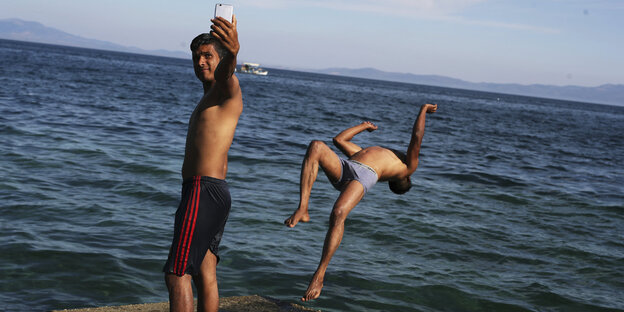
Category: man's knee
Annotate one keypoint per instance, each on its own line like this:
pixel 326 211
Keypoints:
pixel 316 146
pixel 208 277
pixel 337 216
pixel 205 282
pixel 171 278
pixel 176 283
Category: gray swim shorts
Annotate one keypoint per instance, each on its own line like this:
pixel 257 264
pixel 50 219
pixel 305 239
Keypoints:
pixel 354 170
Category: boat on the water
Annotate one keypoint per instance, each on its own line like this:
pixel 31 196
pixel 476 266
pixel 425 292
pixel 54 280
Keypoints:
pixel 253 68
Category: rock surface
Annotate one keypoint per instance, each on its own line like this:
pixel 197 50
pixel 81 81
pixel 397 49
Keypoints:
pixel 253 303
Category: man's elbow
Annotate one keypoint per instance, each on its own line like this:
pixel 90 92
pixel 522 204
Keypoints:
pixel 418 134
pixel 336 141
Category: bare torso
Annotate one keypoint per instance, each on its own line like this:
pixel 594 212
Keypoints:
pixel 385 162
pixel 210 134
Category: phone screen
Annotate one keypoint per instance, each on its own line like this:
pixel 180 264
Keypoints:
pixel 224 10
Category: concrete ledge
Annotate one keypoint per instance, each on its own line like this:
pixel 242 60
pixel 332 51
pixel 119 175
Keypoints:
pixel 253 303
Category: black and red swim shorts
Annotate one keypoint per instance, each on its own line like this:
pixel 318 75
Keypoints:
pixel 199 223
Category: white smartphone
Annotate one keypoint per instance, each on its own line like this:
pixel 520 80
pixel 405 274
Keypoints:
pixel 224 10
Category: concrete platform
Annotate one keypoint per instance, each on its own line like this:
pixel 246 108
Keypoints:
pixel 253 303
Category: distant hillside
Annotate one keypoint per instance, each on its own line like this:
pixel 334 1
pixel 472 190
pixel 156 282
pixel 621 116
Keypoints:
pixel 605 94
pixel 16 29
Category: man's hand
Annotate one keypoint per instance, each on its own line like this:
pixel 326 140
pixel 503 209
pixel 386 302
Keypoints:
pixel 226 32
pixel 431 108
pixel 369 126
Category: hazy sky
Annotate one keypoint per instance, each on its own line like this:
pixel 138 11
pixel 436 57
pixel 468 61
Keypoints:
pixel 560 42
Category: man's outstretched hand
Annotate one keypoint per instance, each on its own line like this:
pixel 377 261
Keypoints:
pixel 431 108
pixel 226 32
pixel 369 126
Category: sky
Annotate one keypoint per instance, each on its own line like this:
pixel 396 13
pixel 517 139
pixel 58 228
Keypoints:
pixel 555 42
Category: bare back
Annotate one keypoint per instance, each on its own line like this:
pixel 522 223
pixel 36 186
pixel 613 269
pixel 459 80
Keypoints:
pixel 385 162
pixel 210 134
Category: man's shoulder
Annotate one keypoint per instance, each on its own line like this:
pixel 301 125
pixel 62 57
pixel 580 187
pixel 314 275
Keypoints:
pixel 379 149
pixel 391 151
pixel 224 92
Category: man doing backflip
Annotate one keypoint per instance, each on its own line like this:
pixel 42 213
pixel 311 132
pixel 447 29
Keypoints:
pixel 353 177
pixel 205 203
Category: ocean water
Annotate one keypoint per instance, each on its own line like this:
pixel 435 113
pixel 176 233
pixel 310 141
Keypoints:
pixel 518 202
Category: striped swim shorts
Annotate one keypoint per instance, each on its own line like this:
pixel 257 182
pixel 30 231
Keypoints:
pixel 199 223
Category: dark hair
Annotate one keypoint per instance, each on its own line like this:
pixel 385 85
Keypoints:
pixel 401 186
pixel 208 38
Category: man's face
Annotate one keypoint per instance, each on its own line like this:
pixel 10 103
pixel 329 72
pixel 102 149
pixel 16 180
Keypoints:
pixel 205 61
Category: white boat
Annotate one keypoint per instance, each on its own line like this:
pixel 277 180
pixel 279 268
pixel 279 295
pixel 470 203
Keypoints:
pixel 253 68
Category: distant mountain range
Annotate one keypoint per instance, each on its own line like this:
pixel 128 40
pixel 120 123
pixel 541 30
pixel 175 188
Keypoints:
pixel 16 29
pixel 604 94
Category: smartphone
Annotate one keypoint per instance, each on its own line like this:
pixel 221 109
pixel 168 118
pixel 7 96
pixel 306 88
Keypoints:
pixel 224 10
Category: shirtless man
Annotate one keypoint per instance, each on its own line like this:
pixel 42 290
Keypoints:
pixel 353 178
pixel 205 203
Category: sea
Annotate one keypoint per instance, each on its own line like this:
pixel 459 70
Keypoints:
pixel 517 204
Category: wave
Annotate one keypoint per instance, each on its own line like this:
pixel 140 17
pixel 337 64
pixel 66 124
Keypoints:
pixel 483 178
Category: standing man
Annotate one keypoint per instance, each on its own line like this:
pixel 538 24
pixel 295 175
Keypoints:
pixel 353 177
pixel 205 203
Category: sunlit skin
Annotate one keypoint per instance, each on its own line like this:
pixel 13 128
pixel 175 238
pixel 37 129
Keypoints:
pixel 210 133
pixel 390 165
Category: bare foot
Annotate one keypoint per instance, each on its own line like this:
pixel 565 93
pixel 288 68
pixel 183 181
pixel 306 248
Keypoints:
pixel 299 215
pixel 314 289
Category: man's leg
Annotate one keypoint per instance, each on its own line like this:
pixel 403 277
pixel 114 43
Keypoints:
pixel 180 292
pixel 348 199
pixel 318 154
pixel 206 283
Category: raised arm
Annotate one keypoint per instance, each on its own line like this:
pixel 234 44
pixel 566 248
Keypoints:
pixel 418 131
pixel 343 140
pixel 228 35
